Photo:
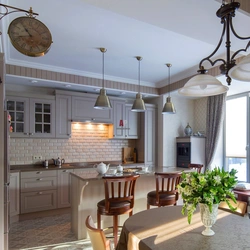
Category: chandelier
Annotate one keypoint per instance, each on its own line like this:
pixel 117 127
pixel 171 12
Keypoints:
pixel 206 85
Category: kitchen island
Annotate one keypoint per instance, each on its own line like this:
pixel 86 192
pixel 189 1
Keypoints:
pixel 88 190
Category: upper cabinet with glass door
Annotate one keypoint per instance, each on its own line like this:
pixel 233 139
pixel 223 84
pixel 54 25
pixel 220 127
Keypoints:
pixel 32 117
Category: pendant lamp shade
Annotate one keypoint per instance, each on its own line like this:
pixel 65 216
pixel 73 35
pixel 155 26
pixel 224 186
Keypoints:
pixel 168 108
pixel 203 85
pixel 241 71
pixel 102 101
pixel 138 105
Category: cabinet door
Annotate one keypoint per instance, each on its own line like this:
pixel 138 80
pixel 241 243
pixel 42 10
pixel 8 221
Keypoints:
pixel 38 201
pixel 132 122
pixel 120 124
pixel 42 118
pixel 63 116
pixel 14 192
pixel 83 110
pixel 63 191
pixel 18 108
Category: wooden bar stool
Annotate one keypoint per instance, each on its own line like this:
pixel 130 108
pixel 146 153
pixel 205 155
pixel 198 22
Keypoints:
pixel 197 167
pixel 166 192
pixel 119 199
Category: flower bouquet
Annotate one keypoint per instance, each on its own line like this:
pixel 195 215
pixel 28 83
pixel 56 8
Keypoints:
pixel 209 188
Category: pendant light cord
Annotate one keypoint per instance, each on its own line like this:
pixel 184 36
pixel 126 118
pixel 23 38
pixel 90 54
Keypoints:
pixel 169 65
pixel 103 50
pixel 139 74
pixel 103 70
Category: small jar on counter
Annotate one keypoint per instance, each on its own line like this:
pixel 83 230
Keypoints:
pixel 46 163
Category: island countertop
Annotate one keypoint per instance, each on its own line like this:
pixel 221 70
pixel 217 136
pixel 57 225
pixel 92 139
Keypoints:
pixel 87 176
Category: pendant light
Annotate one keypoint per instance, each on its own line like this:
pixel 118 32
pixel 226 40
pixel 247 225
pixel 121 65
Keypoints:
pixel 138 105
pixel 102 101
pixel 169 106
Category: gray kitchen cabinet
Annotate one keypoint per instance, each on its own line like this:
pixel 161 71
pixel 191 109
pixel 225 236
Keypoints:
pixel 38 191
pixel 14 193
pixel 63 116
pixel 126 122
pixel 32 117
pixel 63 188
pixel 83 110
pixel 146 145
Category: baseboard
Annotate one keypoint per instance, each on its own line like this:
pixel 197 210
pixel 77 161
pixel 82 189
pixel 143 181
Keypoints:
pixel 47 213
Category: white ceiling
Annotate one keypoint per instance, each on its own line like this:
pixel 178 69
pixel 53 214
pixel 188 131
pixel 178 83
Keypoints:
pixel 163 31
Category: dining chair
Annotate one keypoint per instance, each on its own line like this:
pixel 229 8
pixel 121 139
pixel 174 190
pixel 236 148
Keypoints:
pixel 97 236
pixel 240 205
pixel 166 192
pixel 195 166
pixel 119 199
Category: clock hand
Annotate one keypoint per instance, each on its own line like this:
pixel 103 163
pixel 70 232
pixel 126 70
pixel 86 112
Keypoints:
pixel 28 32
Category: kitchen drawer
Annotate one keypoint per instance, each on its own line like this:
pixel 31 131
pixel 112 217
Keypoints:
pixel 31 174
pixel 38 201
pixel 38 183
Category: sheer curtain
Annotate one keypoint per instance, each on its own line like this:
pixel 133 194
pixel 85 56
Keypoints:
pixel 214 123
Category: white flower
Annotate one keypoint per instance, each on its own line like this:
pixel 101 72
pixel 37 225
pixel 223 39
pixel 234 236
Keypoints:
pixel 217 179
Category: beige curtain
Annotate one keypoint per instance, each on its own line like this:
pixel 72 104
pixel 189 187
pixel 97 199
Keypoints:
pixel 215 115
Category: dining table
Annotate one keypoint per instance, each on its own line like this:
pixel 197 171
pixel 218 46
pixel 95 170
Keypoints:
pixel 166 228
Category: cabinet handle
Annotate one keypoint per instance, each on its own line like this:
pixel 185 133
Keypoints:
pixel 26 133
pixel 69 134
pixel 65 171
pixel 39 179
pixel 31 133
pixel 40 192
pixel 39 172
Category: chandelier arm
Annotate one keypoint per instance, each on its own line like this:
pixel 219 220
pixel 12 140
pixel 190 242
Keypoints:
pixel 240 50
pixel 216 49
pixel 234 32
pixel 7 11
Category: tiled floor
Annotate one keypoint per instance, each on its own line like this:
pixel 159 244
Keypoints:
pixel 44 233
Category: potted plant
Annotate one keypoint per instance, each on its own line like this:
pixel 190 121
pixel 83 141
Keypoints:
pixel 208 189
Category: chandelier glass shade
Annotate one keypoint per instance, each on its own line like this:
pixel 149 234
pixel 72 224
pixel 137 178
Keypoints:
pixel 139 105
pixel 202 85
pixel 102 101
pixel 168 108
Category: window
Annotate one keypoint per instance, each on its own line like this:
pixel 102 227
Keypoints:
pixel 236 136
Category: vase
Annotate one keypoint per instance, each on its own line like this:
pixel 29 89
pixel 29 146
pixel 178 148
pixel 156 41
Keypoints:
pixel 208 219
pixel 188 130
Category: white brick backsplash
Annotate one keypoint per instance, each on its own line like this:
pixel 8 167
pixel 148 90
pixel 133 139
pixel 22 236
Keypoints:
pixel 87 144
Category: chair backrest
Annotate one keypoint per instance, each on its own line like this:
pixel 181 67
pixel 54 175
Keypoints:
pixel 197 167
pixel 166 183
pixel 119 189
pixel 240 205
pixel 97 236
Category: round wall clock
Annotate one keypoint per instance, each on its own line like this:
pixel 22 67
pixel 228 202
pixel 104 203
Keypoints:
pixel 30 36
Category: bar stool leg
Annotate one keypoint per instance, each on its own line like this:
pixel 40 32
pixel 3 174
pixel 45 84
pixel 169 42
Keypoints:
pixel 98 221
pixel 115 229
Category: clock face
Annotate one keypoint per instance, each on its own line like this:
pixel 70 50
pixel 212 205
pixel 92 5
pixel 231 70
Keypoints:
pixel 30 36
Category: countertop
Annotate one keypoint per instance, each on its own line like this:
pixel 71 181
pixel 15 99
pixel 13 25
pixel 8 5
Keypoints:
pixel 73 165
pixel 150 172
